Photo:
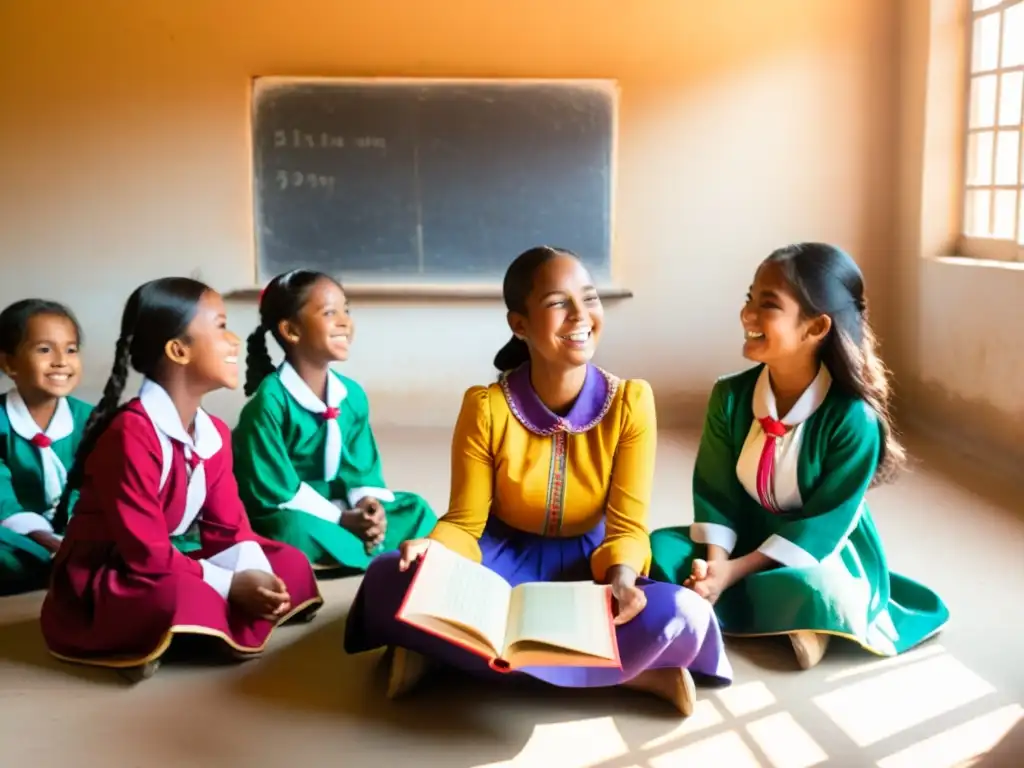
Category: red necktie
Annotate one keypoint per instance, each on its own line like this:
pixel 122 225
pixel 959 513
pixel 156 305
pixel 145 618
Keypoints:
pixel 41 441
pixel 774 430
pixel 330 414
pixel 192 463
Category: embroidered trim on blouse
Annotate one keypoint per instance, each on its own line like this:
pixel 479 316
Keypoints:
pixel 561 424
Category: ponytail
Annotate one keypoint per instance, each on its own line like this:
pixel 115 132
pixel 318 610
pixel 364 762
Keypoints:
pixel 515 290
pixel 282 299
pixel 258 364
pixel 827 281
pixel 512 355
pixel 859 371
pixel 100 418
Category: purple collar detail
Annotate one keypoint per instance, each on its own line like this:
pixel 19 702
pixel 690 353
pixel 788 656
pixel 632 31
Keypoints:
pixel 599 388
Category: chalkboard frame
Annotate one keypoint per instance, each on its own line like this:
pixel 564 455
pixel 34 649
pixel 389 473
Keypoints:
pixel 374 286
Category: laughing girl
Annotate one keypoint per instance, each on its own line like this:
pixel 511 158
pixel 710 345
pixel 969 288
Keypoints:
pixel 120 590
pixel 782 541
pixel 307 464
pixel 40 429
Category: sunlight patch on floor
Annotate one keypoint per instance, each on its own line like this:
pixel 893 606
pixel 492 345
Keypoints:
pixel 785 743
pixel 725 749
pixel 874 666
pixel 705 715
pixel 574 744
pixel 743 731
pixel 957 746
pixel 746 698
pixel 871 710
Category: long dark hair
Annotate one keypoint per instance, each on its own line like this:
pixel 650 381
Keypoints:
pixel 156 313
pixel 282 299
pixel 14 321
pixel 827 281
pixel 515 289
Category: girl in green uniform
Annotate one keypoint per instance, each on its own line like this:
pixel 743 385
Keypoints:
pixel 306 460
pixel 782 540
pixel 40 428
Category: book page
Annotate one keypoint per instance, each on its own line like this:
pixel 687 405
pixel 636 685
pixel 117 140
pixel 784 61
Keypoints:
pixel 454 589
pixel 570 615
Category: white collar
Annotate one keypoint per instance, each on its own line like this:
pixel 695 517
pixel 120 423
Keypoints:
pixel 162 412
pixel 61 424
pixel 805 406
pixel 304 396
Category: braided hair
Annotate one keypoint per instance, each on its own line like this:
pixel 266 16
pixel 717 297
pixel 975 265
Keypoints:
pixel 282 299
pixel 156 313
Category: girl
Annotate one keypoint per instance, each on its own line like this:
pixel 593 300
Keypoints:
pixel 307 464
pixel 40 429
pixel 782 540
pixel 552 469
pixel 120 591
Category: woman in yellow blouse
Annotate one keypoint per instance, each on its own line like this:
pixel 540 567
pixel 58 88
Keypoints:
pixel 552 468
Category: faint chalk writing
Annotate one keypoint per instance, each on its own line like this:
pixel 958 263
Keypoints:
pixel 296 139
pixel 304 140
pixel 296 179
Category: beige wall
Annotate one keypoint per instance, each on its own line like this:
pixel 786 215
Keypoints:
pixel 744 125
pixel 958 353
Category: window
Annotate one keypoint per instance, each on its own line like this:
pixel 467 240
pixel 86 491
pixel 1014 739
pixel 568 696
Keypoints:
pixel 993 205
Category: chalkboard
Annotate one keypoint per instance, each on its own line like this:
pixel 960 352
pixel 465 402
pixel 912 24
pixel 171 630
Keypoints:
pixel 429 181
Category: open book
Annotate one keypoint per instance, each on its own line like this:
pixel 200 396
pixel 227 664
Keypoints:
pixel 541 624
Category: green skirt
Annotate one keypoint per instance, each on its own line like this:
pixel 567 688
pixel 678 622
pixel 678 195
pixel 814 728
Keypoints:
pixel 851 594
pixel 24 565
pixel 331 547
pixel 189 541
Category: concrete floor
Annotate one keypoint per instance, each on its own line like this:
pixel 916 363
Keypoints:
pixel 949 524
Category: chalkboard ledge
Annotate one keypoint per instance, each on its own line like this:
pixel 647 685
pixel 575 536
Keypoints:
pixel 422 292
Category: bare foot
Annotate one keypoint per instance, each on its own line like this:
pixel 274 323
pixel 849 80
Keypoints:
pixel 809 647
pixel 141 672
pixel 674 685
pixel 407 669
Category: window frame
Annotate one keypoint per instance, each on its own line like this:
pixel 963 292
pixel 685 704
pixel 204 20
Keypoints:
pixel 973 246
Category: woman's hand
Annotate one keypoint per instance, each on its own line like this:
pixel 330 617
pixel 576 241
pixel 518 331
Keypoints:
pixel 629 598
pixel 411 551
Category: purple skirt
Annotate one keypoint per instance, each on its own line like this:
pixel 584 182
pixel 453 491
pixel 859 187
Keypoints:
pixel 677 628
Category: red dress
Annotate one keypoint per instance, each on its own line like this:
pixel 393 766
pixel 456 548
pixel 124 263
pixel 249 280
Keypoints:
pixel 120 590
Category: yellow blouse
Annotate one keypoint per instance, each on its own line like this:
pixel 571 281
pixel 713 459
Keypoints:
pixel 555 476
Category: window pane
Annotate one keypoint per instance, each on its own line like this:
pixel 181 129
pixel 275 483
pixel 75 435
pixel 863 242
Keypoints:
pixel 1020 222
pixel 985 47
pixel 1005 214
pixel 976 213
pixel 1013 35
pixel 983 101
pixel 979 158
pixel 1007 157
pixel 1010 98
pixel 982 5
